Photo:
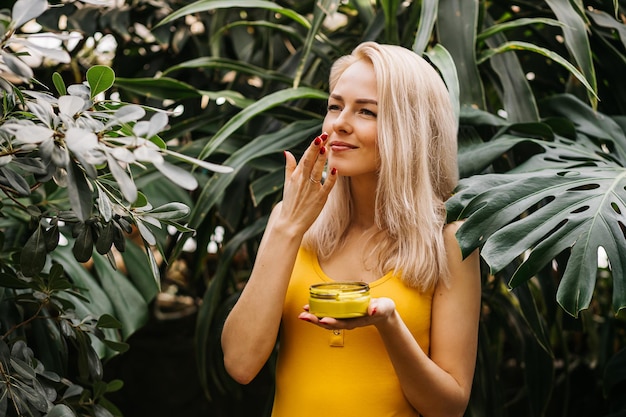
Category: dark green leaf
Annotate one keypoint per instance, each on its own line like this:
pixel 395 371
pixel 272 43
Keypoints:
pixel 581 209
pixel 107 321
pixel 105 239
pixel 118 238
pixel 79 192
pixel 56 278
pixel 33 257
pixel 83 245
pixel 51 237
pixel 93 362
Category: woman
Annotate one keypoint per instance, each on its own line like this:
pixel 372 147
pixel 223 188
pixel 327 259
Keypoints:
pixel 376 215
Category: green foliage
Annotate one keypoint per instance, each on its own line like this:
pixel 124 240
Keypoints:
pixel 570 195
pixel 67 169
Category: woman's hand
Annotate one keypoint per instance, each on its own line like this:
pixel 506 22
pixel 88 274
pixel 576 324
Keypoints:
pixel 378 311
pixel 304 192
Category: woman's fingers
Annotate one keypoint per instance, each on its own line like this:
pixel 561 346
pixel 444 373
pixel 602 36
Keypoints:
pixel 310 170
pixel 316 158
pixel 378 310
pixel 290 164
pixel 304 192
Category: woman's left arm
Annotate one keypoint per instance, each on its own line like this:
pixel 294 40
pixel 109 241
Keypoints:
pixel 440 385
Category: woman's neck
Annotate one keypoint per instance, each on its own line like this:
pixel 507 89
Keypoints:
pixel 363 194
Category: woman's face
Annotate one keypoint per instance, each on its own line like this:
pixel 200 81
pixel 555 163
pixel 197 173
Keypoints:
pixel 351 122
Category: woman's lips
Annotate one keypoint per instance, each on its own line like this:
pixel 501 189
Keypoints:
pixel 340 146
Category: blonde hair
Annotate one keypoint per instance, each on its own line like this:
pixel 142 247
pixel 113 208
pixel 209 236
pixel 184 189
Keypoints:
pixel 418 168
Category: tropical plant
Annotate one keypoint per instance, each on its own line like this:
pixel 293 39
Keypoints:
pixel 67 165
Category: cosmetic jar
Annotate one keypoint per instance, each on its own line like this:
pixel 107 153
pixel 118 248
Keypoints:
pixel 340 300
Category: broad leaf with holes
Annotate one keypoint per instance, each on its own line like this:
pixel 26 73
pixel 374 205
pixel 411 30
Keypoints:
pixel 571 196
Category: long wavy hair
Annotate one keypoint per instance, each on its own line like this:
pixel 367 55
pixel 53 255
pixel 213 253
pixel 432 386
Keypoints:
pixel 418 168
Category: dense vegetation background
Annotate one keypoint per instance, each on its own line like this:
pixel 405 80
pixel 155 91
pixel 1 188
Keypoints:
pixel 542 153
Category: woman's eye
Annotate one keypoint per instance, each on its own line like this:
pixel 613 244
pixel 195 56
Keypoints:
pixel 332 107
pixel 368 112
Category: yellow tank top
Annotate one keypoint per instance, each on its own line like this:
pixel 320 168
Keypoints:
pixel 324 373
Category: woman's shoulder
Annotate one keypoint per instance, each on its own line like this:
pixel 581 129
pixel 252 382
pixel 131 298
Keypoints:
pixel 459 264
pixel 449 233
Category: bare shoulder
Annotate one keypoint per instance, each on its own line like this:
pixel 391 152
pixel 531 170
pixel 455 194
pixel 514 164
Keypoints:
pixel 449 231
pixel 458 266
pixel 449 235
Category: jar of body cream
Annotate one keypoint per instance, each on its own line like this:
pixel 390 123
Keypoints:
pixel 340 300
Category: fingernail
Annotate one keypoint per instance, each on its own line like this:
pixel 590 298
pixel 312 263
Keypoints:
pixel 305 319
pixel 373 311
pixel 317 141
pixel 333 171
pixel 322 150
pixel 324 136
pixel 285 154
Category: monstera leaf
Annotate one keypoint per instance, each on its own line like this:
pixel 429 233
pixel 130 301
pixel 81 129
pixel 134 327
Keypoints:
pixel 569 197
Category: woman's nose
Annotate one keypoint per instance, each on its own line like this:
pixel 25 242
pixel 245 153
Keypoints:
pixel 342 123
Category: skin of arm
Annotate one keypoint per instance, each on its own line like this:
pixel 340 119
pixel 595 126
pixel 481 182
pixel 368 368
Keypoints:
pixel 438 385
pixel 251 329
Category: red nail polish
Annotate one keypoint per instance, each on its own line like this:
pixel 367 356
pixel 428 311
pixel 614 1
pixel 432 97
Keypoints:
pixel 317 141
pixel 305 319
pixel 324 136
pixel 373 311
pixel 322 150
pixel 333 171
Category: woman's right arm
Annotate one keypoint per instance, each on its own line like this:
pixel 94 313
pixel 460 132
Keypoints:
pixel 251 329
